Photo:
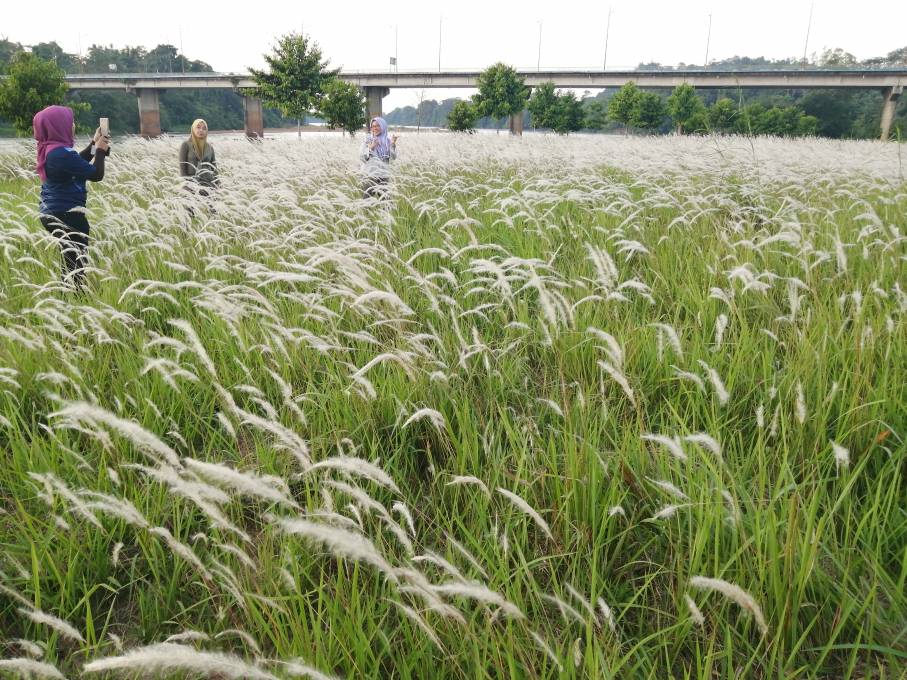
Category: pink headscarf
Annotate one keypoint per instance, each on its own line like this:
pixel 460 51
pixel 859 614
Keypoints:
pixel 53 129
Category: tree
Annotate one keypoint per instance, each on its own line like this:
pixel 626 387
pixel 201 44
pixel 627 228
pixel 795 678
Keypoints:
pixel 343 106
pixel 648 111
pixel 31 85
pixel 501 92
pixel 568 113
pixel 8 50
pixel 53 52
pixel 542 105
pixel 684 107
pixel 623 103
pixel 596 115
pixel 462 117
pixel 722 115
pixel 297 78
pixel 836 58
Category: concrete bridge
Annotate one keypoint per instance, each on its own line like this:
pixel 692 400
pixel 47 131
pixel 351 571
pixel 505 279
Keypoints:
pixel 377 84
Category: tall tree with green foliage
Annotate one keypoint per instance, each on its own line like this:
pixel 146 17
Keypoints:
pixel 501 92
pixel 542 105
pixel 685 107
pixel 722 115
pixel 648 111
pixel 568 113
pixel 32 84
pixel 297 77
pixel 623 104
pixel 343 106
pixel 596 115
pixel 462 117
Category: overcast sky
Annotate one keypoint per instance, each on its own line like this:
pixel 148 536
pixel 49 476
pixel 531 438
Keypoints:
pixel 233 35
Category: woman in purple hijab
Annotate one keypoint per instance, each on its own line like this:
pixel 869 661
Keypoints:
pixel 377 151
pixel 63 172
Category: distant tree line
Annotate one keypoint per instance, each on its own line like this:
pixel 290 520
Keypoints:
pixel 787 112
pixel 222 109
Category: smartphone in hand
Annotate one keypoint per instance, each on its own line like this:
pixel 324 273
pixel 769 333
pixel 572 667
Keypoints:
pixel 104 125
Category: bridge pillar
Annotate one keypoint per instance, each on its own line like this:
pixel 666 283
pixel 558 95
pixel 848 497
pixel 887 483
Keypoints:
pixel 149 112
pixel 890 96
pixel 516 124
pixel 254 117
pixel 373 98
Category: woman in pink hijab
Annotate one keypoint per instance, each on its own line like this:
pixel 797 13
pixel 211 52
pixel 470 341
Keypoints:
pixel 63 172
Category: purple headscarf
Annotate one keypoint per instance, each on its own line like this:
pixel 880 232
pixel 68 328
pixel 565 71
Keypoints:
pixel 383 148
pixel 53 129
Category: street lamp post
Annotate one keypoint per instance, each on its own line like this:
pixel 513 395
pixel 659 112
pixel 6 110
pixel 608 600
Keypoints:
pixel 708 38
pixel 538 63
pixel 607 33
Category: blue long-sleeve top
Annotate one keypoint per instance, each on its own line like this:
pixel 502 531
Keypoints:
pixel 67 171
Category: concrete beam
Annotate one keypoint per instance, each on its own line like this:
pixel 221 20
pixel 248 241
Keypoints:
pixel 254 117
pixel 890 96
pixel 149 112
pixel 373 100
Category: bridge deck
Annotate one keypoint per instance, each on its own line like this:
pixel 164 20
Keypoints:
pixel 875 78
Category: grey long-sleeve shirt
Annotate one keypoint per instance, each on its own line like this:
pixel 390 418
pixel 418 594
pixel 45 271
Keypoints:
pixel 202 170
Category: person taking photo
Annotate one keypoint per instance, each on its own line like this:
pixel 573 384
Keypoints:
pixel 64 173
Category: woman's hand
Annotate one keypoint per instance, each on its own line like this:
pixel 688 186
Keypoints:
pixel 102 143
pixel 372 145
pixel 394 139
pixel 97 136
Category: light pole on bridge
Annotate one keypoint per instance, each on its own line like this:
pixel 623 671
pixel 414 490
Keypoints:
pixel 538 63
pixel 708 38
pixel 607 33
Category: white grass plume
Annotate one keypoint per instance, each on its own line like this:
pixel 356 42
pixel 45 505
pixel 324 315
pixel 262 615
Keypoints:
pixel 614 350
pixel 670 488
pixel 269 488
pixel 667 330
pixel 341 542
pixel 842 455
pixel 479 592
pixel 620 379
pixel 734 593
pixel 469 479
pixel 607 614
pixel 400 508
pixel 667 512
pixel 359 467
pixel 717 384
pixel 33 649
pixel 189 636
pixel 545 647
pixel 57 624
pixel 144 440
pixel 524 507
pixel 695 614
pixel 706 441
pixel 29 668
pixel 299 669
pixel 413 616
pixel 672 444
pixel 167 657
pixel 800 404
pixel 435 417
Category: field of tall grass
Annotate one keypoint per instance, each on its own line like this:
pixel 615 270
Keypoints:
pixel 581 408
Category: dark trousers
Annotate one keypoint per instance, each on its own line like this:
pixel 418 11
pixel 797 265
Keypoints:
pixel 375 187
pixel 71 229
